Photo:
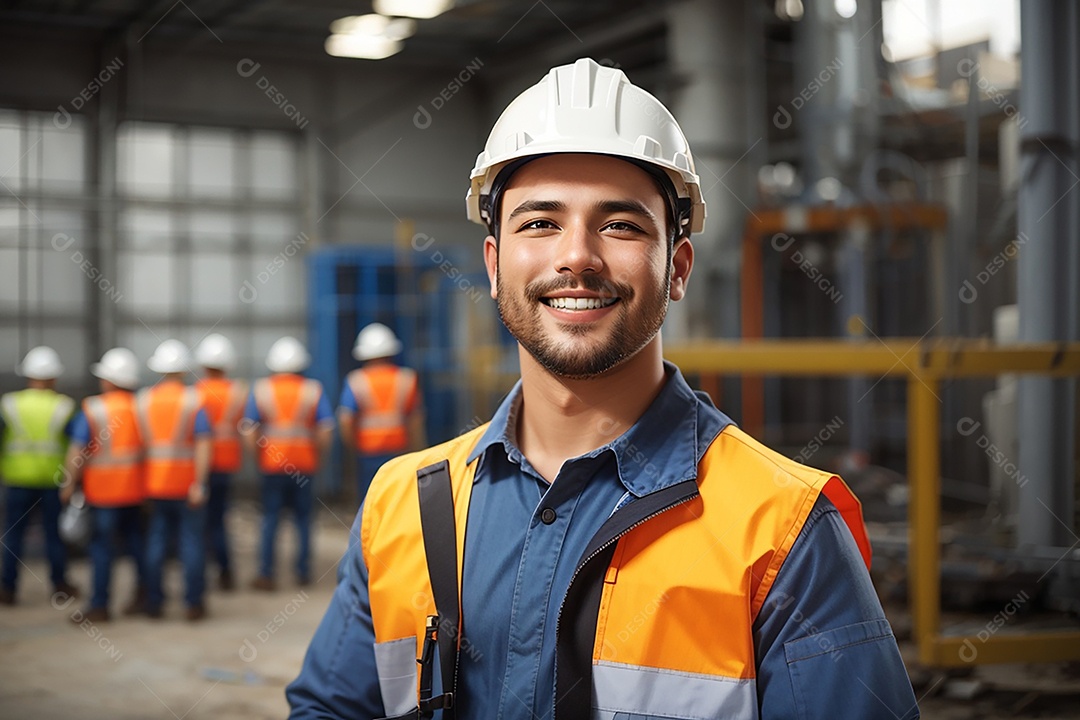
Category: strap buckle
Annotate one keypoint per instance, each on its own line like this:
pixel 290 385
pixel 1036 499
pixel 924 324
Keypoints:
pixel 427 705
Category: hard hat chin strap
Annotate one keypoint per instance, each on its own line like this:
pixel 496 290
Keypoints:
pixel 491 202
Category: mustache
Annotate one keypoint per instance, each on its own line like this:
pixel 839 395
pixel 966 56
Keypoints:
pixel 601 286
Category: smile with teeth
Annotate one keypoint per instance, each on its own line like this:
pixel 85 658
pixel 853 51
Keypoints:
pixel 585 303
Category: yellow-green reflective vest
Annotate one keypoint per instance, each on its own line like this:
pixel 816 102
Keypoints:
pixel 33 444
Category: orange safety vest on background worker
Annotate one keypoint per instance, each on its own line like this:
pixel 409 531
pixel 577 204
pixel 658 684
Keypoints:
pixel 385 395
pixel 287 405
pixel 166 415
pixel 114 473
pixel 223 399
pixel 665 648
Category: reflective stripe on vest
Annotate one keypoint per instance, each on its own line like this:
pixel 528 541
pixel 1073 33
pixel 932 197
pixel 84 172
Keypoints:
pixel 381 423
pixel 226 426
pixel 23 440
pixel 180 445
pixel 646 691
pixel 224 401
pixel 114 474
pixel 656 649
pixel 288 441
pixel 170 453
pixel 33 438
pixel 104 454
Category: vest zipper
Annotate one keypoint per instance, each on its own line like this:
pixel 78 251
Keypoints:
pixel 587 560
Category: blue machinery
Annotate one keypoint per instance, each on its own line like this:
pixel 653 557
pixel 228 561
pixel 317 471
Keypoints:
pixel 442 313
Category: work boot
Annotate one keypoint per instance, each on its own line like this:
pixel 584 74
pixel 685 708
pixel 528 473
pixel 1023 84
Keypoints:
pixel 7 597
pixel 195 612
pixel 137 606
pixel 94 615
pixel 225 580
pixel 266 584
pixel 67 588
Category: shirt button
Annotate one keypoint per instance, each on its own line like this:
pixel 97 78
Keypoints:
pixel 547 516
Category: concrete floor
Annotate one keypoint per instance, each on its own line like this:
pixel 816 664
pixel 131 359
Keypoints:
pixel 236 663
pixel 233 664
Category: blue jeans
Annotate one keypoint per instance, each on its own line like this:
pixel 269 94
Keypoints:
pixel 125 521
pixel 169 518
pixel 217 539
pixel 21 502
pixel 298 493
pixel 366 467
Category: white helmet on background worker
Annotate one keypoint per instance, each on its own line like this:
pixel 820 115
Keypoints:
pixel 287 355
pixel 41 363
pixel 119 366
pixel 216 352
pixel 171 356
pixel 376 341
pixel 588 108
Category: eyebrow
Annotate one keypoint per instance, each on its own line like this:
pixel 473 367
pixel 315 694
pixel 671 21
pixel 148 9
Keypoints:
pixel 610 207
pixel 537 206
pixel 634 207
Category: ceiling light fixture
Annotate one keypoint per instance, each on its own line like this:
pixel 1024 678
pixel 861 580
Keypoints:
pixel 374 25
pixel 370 37
pixel 366 47
pixel 422 9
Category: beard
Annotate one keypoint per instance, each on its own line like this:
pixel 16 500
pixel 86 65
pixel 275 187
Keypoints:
pixel 588 352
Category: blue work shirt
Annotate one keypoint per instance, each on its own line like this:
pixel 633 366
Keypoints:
pixel 518 569
pixel 79 428
pixel 348 400
pixel 323 412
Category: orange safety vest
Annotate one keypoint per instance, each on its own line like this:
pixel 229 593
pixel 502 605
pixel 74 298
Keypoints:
pixel 223 399
pixel 166 415
pixel 287 405
pixel 385 395
pixel 678 561
pixel 114 473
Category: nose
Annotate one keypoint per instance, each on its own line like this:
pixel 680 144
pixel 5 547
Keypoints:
pixel 577 251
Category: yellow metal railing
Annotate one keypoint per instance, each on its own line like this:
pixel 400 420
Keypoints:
pixel 925 363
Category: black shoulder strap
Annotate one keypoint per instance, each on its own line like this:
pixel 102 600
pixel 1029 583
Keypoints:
pixel 440 548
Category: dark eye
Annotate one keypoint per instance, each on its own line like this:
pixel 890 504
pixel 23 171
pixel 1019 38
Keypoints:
pixel 622 226
pixel 538 224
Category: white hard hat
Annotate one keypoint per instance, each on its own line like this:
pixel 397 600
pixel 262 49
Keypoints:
pixel 588 108
pixel 41 363
pixel 376 341
pixel 215 351
pixel 119 366
pixel 171 356
pixel 287 355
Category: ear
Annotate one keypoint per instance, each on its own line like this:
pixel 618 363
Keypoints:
pixel 682 262
pixel 491 262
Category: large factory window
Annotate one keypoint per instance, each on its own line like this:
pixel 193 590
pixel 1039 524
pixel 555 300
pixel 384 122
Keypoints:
pixel 210 237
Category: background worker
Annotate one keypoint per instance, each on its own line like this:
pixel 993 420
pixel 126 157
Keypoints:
pixel 626 550
pixel 223 399
pixel 289 426
pixel 105 457
pixel 34 423
pixel 381 414
pixel 178 441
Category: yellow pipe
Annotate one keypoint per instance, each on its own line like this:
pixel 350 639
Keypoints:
pixel 924 511
pixel 938 358
pixel 1029 647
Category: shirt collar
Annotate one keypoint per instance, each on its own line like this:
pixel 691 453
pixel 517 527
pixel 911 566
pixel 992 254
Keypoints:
pixel 662 448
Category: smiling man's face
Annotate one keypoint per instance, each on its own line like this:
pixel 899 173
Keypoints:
pixel 581 272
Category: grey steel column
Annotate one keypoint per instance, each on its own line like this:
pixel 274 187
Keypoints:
pixel 1047 212
pixel 709 54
